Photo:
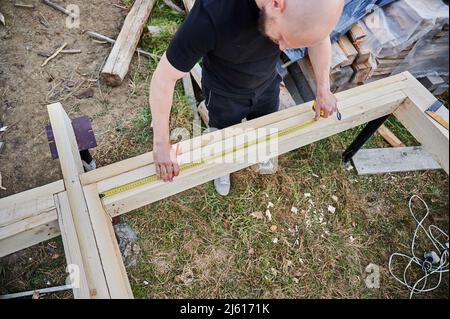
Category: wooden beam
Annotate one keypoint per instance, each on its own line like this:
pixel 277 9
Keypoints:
pixel 71 168
pixel 28 232
pixel 72 251
pixel 118 63
pixel 393 160
pixel 108 248
pixel 28 218
pixel 29 203
pixel 131 164
pixel 433 137
pixel 356 108
pixel 308 72
pixel 348 48
pixel 357 32
pixel 390 137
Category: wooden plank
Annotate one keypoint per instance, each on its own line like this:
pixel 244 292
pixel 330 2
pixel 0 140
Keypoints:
pixel 348 49
pixel 433 137
pixel 197 74
pixel 390 137
pixel 108 248
pixel 308 72
pixel 37 232
pixel 72 249
pixel 71 168
pixel 356 110
pixel 341 76
pixel 362 72
pixel 143 160
pixel 363 53
pixel 393 160
pixel 28 203
pixel 118 62
pixel 357 32
pixel 338 56
pixel 286 100
pixel 217 137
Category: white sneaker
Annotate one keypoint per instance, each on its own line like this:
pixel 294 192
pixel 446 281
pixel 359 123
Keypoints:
pixel 223 185
pixel 266 167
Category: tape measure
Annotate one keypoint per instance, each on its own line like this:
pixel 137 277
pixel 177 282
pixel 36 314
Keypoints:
pixel 184 167
pixel 322 112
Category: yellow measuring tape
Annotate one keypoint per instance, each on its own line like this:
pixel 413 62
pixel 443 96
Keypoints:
pixel 184 167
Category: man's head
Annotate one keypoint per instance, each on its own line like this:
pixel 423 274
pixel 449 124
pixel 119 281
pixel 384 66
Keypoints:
pixel 298 23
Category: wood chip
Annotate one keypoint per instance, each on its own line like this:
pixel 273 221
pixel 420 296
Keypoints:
pixel 269 215
pixel 257 215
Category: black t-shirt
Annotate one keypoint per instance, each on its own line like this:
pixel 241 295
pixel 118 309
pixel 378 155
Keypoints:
pixel 237 59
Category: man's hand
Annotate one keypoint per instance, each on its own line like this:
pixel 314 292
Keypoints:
pixel 326 103
pixel 165 159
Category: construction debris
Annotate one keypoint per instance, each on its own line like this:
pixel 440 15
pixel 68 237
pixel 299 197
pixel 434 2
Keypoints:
pixel 408 35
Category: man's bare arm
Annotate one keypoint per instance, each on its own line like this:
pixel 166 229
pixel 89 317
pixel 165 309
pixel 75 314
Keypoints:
pixel 162 88
pixel 320 56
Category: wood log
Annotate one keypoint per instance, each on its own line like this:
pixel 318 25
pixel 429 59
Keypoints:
pixel 118 62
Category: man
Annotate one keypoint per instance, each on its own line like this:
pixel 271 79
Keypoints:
pixel 239 42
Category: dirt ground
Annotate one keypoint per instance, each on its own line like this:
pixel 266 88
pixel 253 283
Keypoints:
pixel 26 87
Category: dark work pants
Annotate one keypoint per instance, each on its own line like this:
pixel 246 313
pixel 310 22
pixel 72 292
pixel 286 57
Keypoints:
pixel 227 111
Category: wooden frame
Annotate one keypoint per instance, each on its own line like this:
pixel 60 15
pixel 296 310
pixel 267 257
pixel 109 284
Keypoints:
pixel 73 207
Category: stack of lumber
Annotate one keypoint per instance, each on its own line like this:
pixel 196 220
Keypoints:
pixel 401 36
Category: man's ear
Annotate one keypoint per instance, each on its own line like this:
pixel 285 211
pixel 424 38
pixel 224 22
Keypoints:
pixel 279 5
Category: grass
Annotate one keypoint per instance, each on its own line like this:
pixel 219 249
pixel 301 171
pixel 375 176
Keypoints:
pixel 198 244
